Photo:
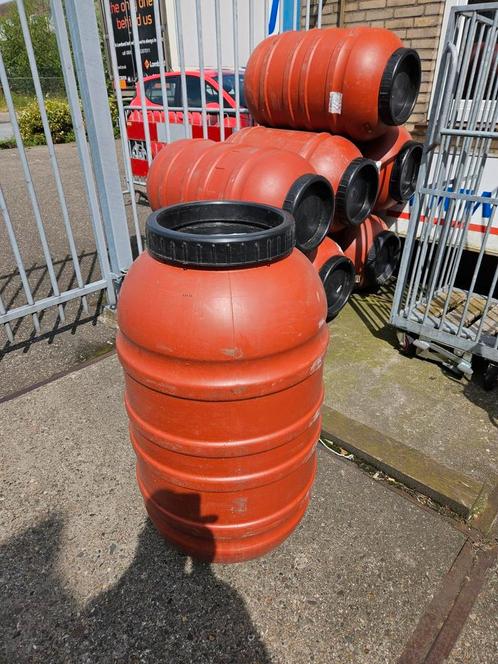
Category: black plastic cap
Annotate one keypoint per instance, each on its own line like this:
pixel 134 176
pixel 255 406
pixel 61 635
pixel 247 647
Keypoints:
pixel 219 234
pixel 310 200
pixel 405 171
pixel 338 279
pixel 399 86
pixel 382 259
pixel 357 192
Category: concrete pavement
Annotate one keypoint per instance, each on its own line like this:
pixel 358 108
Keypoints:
pixel 86 578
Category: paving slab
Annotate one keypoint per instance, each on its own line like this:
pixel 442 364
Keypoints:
pixel 454 421
pixel 86 578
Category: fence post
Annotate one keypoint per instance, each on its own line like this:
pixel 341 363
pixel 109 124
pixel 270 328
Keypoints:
pixel 82 24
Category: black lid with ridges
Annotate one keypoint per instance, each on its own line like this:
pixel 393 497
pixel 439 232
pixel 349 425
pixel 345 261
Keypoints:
pixel 382 259
pixel 399 86
pixel 311 202
pixel 219 234
pixel 405 171
pixel 357 191
pixel 338 279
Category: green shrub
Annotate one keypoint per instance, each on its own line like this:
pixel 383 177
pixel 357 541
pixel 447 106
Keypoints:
pixel 59 120
pixel 113 108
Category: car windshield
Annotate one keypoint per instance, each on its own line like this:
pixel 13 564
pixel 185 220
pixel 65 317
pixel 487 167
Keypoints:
pixel 229 86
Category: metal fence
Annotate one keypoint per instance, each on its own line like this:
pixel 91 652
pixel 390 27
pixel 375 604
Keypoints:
pixel 211 40
pixel 33 226
pixel 443 310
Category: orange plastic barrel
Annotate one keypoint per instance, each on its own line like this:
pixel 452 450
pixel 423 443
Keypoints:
pixel 374 251
pixel 222 337
pixel 353 178
pixel 352 81
pixel 398 158
pixel 193 170
pixel 337 274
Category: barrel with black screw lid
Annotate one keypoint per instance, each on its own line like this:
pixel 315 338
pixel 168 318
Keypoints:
pixel 222 336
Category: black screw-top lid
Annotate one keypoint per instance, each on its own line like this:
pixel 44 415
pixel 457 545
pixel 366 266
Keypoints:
pixel 382 259
pixel 357 191
pixel 219 234
pixel 338 277
pixel 310 200
pixel 405 171
pixel 399 86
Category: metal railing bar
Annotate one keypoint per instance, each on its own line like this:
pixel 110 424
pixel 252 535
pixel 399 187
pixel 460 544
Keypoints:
pixel 50 145
pixel 251 25
pixel 412 252
pixel 463 208
pixel 162 71
pixel 28 180
pixel 470 292
pixel 471 198
pixel 45 303
pixel 476 133
pixel 439 171
pixel 434 261
pixel 319 18
pixel 200 51
pixel 307 19
pixel 17 256
pixel 122 123
pixel 242 109
pixel 479 159
pixel 217 23
pixel 444 164
pixel 181 58
pixel 83 149
pixel 7 326
pixel 141 87
pixel 83 29
pixel 235 27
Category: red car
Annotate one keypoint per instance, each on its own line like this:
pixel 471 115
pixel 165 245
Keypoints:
pixel 156 116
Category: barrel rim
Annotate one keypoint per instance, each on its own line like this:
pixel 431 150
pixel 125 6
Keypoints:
pixel 269 234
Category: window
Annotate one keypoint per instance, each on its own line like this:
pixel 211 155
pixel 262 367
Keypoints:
pixel 229 86
pixel 153 90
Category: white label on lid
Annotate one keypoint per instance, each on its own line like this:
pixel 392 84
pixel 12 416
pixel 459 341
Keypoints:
pixel 335 103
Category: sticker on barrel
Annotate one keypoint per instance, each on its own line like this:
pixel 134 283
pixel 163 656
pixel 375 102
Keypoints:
pixel 335 103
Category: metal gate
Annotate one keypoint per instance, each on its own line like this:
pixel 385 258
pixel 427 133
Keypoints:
pixel 447 308
pixel 46 228
pixel 220 34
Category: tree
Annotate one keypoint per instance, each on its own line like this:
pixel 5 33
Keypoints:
pixel 44 45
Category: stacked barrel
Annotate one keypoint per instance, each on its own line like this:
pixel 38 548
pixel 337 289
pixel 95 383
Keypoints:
pixel 329 147
pixel 339 97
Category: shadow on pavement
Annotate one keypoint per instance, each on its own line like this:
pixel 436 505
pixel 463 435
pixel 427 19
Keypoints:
pixel 474 391
pixel 13 295
pixel 164 608
pixel 374 309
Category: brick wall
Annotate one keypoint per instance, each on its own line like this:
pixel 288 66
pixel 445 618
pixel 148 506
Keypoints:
pixel 418 23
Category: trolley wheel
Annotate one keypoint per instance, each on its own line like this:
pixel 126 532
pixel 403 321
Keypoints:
pixel 407 346
pixel 490 377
